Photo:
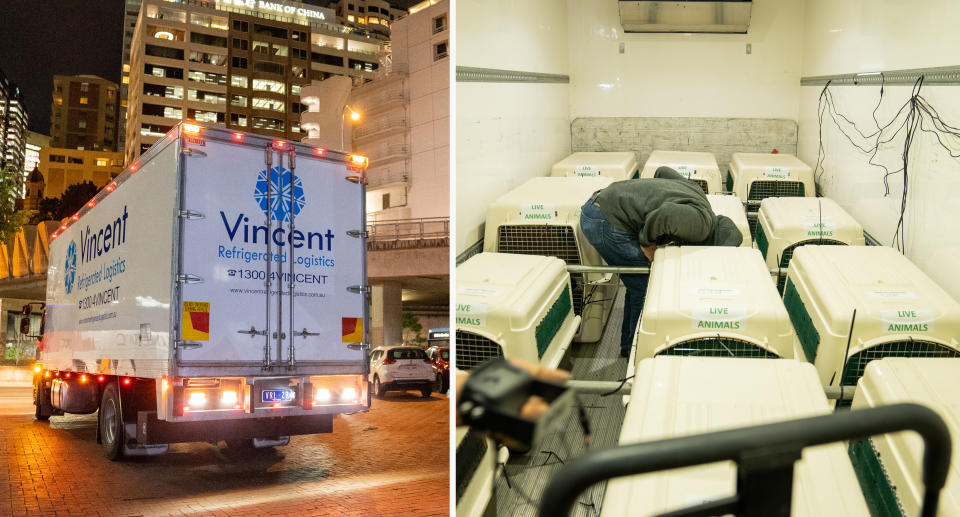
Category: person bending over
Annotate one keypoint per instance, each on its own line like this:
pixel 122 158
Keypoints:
pixel 627 220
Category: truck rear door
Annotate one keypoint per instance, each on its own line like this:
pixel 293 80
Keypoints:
pixel 271 262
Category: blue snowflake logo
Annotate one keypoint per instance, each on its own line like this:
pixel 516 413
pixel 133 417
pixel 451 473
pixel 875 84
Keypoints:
pixel 70 267
pixel 280 190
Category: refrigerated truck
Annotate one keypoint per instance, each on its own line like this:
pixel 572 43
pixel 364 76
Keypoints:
pixel 215 290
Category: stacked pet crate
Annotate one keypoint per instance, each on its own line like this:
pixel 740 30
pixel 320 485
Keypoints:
pixel 616 165
pixel 732 207
pixel 700 168
pixel 542 217
pixel 754 177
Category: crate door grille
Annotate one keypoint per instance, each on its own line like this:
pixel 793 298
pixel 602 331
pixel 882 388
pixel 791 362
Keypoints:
pixel 719 347
pixel 550 241
pixel 788 254
pixel 702 184
pixel 473 349
pixel 910 348
pixel 762 189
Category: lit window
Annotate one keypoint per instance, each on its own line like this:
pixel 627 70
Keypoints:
pixel 84 86
pixel 102 162
pixel 238 81
pixel 374 21
pixel 350 18
pixel 83 100
pixel 362 20
pixel 58 100
pixel 82 124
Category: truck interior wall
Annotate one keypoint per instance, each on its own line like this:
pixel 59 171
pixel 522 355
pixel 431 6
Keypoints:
pixel 860 36
pixel 507 132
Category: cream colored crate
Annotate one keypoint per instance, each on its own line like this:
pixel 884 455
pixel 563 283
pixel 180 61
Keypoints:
pixel 502 301
pixel 682 396
pixel 475 493
pixel 776 175
pixel 933 383
pixel 616 165
pixel 785 223
pixel 699 167
pixel 712 301
pixel 732 207
pixel 542 217
pixel 900 311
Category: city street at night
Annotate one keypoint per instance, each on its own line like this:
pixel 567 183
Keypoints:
pixel 393 460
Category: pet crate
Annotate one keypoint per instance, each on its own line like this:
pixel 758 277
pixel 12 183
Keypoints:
pixel 513 306
pixel 900 312
pixel 616 165
pixel 732 207
pixel 476 470
pixel 712 301
pixel 889 465
pixel 681 396
pixel 757 176
pixel 542 217
pixel 786 223
pixel 700 168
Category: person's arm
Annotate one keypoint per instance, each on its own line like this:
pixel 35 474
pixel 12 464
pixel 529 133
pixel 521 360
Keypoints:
pixel 685 222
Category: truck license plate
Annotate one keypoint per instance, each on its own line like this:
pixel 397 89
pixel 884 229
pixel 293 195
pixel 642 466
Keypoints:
pixel 276 395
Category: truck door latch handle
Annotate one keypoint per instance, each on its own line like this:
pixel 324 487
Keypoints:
pixel 304 333
pixel 253 332
pixel 283 335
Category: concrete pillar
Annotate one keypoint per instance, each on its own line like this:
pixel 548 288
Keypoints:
pixel 385 314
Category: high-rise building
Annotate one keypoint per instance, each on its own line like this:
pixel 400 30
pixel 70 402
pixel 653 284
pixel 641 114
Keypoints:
pixel 131 10
pixel 64 167
pixel 13 129
pixel 373 17
pixel 31 155
pixel 404 120
pixel 234 63
pixel 84 113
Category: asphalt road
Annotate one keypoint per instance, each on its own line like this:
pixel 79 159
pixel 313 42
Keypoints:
pixel 392 461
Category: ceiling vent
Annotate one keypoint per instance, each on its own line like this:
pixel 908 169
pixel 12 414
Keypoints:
pixel 730 17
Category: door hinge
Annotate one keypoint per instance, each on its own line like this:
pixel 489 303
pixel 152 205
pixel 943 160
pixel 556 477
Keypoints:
pixel 356 289
pixel 193 152
pixel 186 345
pixel 189 279
pixel 358 233
pixel 190 214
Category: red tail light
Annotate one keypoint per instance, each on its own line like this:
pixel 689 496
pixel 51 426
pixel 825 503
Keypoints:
pixel 126 381
pixel 100 378
pixel 389 360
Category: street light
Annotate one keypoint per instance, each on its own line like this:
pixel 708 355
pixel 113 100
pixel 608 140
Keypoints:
pixel 354 117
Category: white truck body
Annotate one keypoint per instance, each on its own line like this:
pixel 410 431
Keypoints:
pixel 162 277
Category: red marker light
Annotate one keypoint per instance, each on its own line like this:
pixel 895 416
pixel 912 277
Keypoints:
pixel 134 167
pixel 67 375
pixel 186 408
pixel 83 378
pixel 276 404
pixel 320 151
pixel 126 381
pixel 110 187
pixel 63 227
pixel 46 374
pixel 53 236
pixel 279 144
pixel 56 374
pixel 100 378
pixel 75 217
pixel 91 203
pixel 238 136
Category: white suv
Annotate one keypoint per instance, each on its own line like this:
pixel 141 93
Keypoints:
pixel 400 368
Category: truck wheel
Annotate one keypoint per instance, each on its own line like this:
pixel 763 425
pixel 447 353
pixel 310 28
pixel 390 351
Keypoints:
pixel 426 391
pixel 111 424
pixel 41 406
pixel 378 388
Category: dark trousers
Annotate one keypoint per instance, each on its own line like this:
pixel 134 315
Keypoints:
pixel 618 248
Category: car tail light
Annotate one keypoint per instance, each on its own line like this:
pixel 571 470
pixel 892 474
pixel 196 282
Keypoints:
pixel 389 360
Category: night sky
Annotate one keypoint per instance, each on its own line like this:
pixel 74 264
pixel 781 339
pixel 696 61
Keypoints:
pixel 70 37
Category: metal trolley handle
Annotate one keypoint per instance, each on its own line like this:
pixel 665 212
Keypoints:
pixel 764 455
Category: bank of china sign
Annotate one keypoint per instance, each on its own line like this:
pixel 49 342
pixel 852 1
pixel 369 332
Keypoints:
pixel 285 8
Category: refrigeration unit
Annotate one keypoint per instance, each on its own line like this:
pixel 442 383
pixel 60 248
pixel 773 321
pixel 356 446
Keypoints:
pixel 900 312
pixel 785 223
pixel 681 396
pixel 616 165
pixel 757 176
pixel 712 301
pixel 732 207
pixel 542 217
pixel 513 306
pixel 889 465
pixel 700 168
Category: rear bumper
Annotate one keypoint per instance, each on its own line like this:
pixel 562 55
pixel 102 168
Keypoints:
pixel 153 431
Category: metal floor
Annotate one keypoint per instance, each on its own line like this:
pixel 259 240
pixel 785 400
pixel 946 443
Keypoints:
pixel 524 477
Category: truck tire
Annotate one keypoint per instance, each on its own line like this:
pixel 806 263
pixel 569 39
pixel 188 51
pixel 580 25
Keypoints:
pixel 43 408
pixel 426 391
pixel 378 388
pixel 111 424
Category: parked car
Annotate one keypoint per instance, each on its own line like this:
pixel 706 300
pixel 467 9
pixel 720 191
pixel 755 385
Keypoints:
pixel 440 359
pixel 401 368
